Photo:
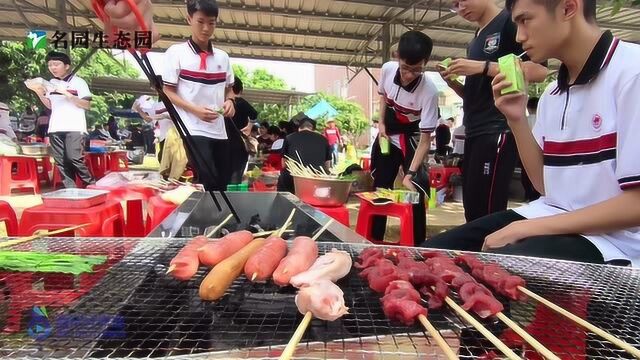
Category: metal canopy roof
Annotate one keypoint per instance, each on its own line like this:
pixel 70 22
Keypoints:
pixel 354 33
pixel 141 87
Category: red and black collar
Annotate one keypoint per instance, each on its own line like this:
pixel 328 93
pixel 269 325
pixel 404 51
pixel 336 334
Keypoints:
pixel 65 79
pixel 197 50
pixel 598 59
pixel 410 87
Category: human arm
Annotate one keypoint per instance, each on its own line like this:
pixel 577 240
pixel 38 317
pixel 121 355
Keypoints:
pixel 382 131
pixel 513 107
pixel 418 158
pixel 121 16
pixel 534 73
pixel 203 113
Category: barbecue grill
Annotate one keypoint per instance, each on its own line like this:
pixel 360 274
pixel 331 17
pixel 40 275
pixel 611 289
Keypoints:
pixel 157 316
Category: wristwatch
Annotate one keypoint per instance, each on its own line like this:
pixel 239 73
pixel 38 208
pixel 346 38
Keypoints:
pixel 410 172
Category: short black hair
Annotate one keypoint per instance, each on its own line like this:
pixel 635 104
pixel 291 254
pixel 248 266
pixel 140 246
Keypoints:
pixel 273 130
pixel 58 56
pixel 532 103
pixel 264 124
pixel 208 7
pixel 307 123
pixel 589 7
pixel 414 47
pixel 237 86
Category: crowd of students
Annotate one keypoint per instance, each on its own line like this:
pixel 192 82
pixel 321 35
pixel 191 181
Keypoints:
pixel 585 126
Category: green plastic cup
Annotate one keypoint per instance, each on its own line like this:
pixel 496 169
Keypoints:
pixel 509 65
pixel 244 187
pixel 384 145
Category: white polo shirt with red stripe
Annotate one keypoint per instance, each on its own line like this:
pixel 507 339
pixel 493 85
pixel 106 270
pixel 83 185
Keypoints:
pixel 66 116
pixel 200 78
pixel 588 132
pixel 415 105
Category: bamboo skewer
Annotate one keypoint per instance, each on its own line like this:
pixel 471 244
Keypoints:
pixel 41 234
pixel 526 337
pixel 288 351
pixel 585 324
pixel 483 330
pixel 215 230
pixel 435 334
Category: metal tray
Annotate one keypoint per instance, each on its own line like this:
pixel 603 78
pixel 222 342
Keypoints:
pixel 74 198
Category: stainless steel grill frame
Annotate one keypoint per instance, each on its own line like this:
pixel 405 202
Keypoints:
pixel 166 318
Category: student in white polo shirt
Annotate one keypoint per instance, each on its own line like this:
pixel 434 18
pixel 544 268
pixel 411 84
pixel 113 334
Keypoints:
pixel 409 112
pixel 67 124
pixel 198 81
pixel 582 155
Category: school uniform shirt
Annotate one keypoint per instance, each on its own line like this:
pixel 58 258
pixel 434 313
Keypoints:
pixel 161 120
pixel 200 77
pixel 410 109
pixel 66 116
pixel 496 39
pixel 588 134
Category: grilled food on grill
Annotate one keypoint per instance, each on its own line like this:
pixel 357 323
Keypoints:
pixel 185 264
pixel 323 299
pixel 264 262
pixel 220 278
pixel 302 255
pixel 212 254
pixel 401 302
pixel 331 266
pixel 495 276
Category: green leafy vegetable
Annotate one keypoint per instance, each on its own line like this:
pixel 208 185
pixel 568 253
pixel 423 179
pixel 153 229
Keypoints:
pixel 49 262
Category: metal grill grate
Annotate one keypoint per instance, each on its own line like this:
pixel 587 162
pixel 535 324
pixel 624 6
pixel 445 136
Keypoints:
pixel 135 310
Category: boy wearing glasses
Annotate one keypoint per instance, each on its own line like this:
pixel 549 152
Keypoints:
pixel 490 149
pixel 409 110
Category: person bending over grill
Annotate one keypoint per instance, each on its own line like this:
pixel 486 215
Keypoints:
pixel 198 80
pixel 409 109
pixel 582 155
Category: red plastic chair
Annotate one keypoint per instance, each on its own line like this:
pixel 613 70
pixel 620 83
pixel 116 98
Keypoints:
pixel 97 163
pixel 404 212
pixel 105 220
pixel 56 179
pixel 439 176
pixel 135 198
pixel 338 213
pixel 118 161
pixel 25 176
pixel 157 211
pixel 8 216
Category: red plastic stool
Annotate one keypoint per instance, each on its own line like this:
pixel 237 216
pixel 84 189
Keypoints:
pixel 106 219
pixel 157 211
pixel 439 176
pixel 25 177
pixel 56 179
pixel 135 198
pixel 44 166
pixel 118 161
pixel 97 164
pixel 404 212
pixel 8 216
pixel 338 213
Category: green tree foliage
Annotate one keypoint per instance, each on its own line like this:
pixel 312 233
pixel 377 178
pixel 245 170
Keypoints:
pixel 18 63
pixel 259 78
pixel 350 118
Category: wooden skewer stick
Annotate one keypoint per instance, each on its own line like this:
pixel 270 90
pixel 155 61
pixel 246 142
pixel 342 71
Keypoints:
pixel 585 324
pixel 483 330
pixel 288 351
pixel 215 229
pixel 322 229
pixel 40 235
pixel 435 334
pixel 267 233
pixel 170 269
pixel 528 338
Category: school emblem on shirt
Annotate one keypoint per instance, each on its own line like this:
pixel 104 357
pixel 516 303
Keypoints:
pixel 491 43
pixel 596 122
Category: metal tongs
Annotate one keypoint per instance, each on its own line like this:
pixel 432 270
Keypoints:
pixel 194 154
